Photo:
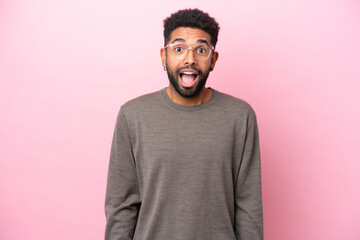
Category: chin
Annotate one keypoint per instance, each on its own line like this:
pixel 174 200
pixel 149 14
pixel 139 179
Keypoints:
pixel 188 92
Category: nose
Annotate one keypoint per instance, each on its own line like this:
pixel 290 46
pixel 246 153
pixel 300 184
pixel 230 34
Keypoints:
pixel 190 58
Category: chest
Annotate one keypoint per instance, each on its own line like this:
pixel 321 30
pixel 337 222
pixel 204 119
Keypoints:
pixel 180 140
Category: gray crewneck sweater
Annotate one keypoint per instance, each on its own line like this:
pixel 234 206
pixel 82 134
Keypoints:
pixel 184 172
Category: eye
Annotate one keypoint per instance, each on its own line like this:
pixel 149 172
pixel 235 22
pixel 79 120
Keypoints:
pixel 202 50
pixel 178 48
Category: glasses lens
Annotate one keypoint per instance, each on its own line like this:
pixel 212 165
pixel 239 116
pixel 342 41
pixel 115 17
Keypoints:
pixel 202 52
pixel 179 50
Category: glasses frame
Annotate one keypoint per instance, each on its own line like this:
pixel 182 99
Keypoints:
pixel 212 49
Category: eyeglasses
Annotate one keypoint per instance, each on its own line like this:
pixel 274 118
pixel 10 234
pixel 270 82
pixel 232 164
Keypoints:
pixel 181 50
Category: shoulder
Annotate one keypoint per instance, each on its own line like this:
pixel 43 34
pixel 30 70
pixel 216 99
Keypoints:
pixel 235 105
pixel 140 103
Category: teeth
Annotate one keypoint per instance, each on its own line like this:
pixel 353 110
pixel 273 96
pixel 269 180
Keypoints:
pixel 189 73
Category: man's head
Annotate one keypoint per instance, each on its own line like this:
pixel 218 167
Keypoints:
pixel 189 54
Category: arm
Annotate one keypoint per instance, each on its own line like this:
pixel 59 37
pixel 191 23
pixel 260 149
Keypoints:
pixel 122 201
pixel 248 195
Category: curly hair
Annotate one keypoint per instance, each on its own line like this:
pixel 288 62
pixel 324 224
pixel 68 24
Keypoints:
pixel 193 18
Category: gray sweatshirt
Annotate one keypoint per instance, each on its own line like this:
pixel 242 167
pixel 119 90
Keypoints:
pixel 184 172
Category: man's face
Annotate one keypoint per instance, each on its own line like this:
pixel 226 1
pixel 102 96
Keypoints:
pixel 188 75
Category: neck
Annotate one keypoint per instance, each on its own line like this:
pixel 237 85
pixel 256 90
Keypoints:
pixel 203 96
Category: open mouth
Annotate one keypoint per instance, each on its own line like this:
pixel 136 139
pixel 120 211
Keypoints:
pixel 188 78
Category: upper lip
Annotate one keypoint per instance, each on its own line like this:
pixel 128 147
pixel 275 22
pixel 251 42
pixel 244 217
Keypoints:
pixel 188 70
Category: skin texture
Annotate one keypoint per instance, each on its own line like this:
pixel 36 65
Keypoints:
pixel 191 37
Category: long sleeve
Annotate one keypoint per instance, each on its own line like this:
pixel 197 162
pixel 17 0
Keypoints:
pixel 248 195
pixel 122 201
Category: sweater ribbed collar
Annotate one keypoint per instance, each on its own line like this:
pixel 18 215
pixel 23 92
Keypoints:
pixel 177 106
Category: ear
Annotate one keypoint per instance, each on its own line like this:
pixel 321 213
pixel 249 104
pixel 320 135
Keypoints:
pixel 163 57
pixel 214 58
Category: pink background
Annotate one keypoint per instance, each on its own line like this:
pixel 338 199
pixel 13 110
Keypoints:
pixel 67 66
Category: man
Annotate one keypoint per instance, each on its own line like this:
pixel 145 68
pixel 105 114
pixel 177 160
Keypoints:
pixel 185 161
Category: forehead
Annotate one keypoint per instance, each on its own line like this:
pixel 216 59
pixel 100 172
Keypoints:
pixel 190 35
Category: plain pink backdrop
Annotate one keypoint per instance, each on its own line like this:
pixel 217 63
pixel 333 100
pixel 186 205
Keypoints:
pixel 67 66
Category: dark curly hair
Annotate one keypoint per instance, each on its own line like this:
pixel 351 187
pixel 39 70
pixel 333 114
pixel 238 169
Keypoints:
pixel 193 18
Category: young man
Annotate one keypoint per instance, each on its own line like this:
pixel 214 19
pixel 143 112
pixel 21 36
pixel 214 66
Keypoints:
pixel 185 160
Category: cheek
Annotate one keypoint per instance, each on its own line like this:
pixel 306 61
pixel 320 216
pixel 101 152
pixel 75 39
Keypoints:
pixel 170 61
pixel 206 66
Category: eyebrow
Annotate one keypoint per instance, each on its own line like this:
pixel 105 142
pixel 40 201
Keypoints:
pixel 183 40
pixel 203 41
pixel 178 39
